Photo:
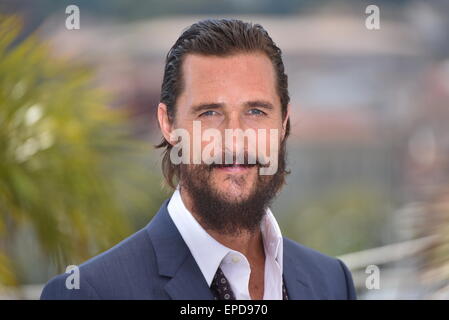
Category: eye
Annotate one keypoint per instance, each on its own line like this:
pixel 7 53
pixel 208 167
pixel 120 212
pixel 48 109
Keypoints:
pixel 256 112
pixel 208 113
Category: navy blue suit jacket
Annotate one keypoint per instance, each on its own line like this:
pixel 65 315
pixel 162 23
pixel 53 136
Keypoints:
pixel 155 263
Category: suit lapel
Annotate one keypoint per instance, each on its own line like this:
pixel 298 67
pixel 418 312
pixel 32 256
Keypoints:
pixel 175 260
pixel 187 282
pixel 295 279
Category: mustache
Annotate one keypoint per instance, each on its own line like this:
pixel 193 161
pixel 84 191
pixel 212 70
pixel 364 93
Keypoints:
pixel 231 159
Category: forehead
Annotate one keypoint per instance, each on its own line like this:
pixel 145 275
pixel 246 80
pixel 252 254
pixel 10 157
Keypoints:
pixel 231 79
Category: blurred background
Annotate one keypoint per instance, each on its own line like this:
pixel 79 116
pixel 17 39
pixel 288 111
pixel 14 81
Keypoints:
pixel 369 149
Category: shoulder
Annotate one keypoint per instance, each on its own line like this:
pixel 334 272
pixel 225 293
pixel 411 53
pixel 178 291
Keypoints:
pixel 116 273
pixel 329 277
pixel 308 256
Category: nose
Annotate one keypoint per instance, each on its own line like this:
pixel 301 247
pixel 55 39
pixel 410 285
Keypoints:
pixel 233 121
pixel 234 130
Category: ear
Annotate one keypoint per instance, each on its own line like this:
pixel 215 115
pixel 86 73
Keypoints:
pixel 284 122
pixel 164 122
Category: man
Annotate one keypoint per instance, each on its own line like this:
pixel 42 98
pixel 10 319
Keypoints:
pixel 216 237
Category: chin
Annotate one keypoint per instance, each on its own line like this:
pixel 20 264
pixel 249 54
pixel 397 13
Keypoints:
pixel 236 187
pixel 232 192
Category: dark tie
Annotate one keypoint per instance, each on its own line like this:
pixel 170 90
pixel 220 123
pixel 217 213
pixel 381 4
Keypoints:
pixel 221 288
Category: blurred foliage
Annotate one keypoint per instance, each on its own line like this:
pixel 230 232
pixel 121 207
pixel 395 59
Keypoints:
pixel 62 152
pixel 348 219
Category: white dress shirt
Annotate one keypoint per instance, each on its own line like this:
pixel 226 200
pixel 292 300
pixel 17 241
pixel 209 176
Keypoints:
pixel 210 254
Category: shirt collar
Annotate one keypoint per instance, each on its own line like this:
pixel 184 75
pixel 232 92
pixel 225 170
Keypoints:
pixel 208 252
pixel 272 238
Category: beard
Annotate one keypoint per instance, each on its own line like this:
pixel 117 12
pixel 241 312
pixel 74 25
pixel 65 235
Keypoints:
pixel 231 216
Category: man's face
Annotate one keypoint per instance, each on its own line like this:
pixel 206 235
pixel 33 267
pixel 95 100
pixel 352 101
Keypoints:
pixel 233 92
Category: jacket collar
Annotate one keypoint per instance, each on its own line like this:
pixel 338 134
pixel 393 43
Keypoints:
pixel 175 261
pixel 296 279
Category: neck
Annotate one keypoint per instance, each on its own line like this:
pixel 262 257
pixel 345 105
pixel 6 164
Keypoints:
pixel 248 243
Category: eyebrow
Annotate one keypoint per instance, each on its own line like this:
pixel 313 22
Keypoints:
pixel 252 104
pixel 260 104
pixel 206 106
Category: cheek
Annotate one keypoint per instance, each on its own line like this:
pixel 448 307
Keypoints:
pixel 193 143
pixel 268 141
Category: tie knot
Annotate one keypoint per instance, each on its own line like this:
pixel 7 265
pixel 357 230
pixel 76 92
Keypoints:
pixel 221 288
